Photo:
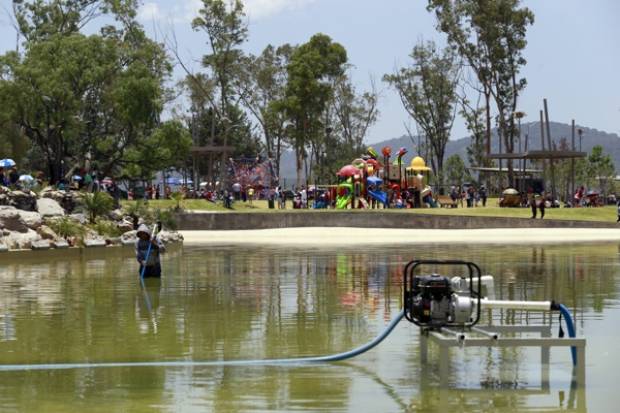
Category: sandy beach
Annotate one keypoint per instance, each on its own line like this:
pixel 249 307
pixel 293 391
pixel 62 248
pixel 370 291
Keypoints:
pixel 360 236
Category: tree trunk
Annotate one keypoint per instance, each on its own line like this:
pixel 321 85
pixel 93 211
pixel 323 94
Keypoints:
pixel 298 165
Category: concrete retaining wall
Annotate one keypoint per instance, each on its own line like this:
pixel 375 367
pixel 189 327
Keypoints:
pixel 363 219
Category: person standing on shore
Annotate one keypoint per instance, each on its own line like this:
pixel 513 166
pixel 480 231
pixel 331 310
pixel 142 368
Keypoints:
pixel 150 264
pixel 541 206
pixel 483 195
pixel 532 200
pixel 304 197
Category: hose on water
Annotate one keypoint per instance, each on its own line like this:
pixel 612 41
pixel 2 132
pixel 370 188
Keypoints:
pixel 571 329
pixel 187 363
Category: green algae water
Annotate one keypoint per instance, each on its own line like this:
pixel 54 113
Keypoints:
pixel 231 303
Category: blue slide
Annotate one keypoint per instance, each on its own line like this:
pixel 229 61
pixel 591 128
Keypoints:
pixel 379 196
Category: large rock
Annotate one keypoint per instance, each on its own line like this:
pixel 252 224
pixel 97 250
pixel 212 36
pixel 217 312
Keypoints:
pixel 170 237
pixel 60 244
pixel 21 240
pixel 116 215
pixel 32 219
pixel 47 233
pixel 49 208
pixel 125 226
pixel 95 242
pixel 3 246
pixel 129 238
pixel 41 245
pixel 11 219
pixel 113 240
pixel 24 200
pixel 80 218
pixel 68 200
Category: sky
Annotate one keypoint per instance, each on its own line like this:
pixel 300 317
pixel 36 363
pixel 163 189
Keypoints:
pixel 573 49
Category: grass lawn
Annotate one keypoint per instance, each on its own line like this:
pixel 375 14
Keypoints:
pixel 605 214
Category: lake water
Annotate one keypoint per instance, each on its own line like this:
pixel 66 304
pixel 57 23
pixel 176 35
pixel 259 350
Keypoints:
pixel 231 303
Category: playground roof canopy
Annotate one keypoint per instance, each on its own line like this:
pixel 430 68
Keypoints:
pixel 495 169
pixel 533 155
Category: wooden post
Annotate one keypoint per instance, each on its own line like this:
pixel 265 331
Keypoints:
pixel 553 192
pixel 542 142
pixel 572 164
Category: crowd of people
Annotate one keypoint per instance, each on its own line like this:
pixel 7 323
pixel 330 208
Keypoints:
pixel 469 195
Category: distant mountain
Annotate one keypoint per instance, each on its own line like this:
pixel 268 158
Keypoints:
pixel 591 137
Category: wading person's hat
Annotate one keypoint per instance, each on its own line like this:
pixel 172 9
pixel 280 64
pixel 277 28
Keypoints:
pixel 143 228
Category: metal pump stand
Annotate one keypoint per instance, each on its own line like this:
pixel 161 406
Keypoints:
pixel 448 311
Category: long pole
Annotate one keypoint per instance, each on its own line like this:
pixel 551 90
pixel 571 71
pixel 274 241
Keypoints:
pixel 572 163
pixel 147 300
pixel 148 253
pixel 553 192
pixel 542 143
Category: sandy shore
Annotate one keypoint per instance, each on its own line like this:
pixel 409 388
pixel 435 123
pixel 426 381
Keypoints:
pixel 360 236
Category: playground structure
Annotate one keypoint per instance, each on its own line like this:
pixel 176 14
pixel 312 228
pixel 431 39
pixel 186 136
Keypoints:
pixel 368 183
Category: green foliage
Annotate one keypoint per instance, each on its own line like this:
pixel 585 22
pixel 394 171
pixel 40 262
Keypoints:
pixel 427 90
pixel 490 35
pixel 597 170
pixel 455 171
pixel 311 71
pixel 67 228
pixel 178 198
pixel 106 228
pixel 97 204
pixel 139 208
pixel 261 83
pixel 71 94
pixel 166 217
pixel 168 146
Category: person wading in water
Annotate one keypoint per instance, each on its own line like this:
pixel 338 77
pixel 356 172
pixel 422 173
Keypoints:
pixel 150 265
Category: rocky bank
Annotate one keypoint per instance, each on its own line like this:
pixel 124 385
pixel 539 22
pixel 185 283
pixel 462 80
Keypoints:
pixel 27 221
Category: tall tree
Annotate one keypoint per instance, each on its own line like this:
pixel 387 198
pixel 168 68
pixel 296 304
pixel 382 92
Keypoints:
pixel 311 71
pixel 427 90
pixel 456 173
pixel 76 96
pixel 226 29
pixel 348 117
pixel 260 84
pixel 490 35
pixel 597 170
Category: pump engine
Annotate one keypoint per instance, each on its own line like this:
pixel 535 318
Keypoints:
pixel 436 301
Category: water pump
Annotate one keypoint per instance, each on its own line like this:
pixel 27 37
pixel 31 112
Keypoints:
pixel 434 301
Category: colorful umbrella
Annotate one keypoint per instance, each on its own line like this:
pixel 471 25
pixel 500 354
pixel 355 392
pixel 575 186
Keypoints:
pixel 348 170
pixel 7 163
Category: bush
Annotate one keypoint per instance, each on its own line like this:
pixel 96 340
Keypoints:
pixel 138 209
pixel 166 217
pixel 178 197
pixel 106 228
pixel 97 204
pixel 67 228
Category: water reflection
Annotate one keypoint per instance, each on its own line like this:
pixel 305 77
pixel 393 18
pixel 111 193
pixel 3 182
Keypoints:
pixel 253 303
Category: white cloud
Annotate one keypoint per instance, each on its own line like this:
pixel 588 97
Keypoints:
pixel 149 12
pixel 258 9
pixel 186 10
